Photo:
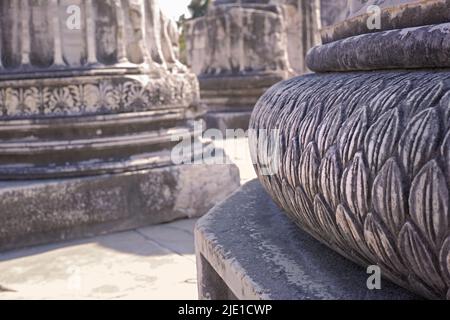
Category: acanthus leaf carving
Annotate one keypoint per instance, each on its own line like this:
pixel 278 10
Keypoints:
pixel 329 178
pixel 292 162
pixel 374 201
pixel 352 134
pixel 389 98
pixel 354 187
pixel 328 129
pixel 308 126
pixel 419 141
pixel 308 169
pixel 445 106
pixel 292 124
pixel 352 233
pixel 444 258
pixel 445 151
pixel 389 197
pixel 327 222
pixel 424 97
pixel 306 209
pixel 419 258
pixel 428 203
pixel 381 139
pixel 382 245
pixel 361 95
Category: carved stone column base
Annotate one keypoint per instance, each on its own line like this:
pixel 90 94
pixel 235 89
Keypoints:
pixel 44 211
pixel 363 165
pixel 253 251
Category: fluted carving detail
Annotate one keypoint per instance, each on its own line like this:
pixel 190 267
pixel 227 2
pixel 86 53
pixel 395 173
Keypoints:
pixel 366 168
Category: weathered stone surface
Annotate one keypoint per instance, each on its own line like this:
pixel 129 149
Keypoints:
pixel 246 45
pixel 39 211
pixel 302 21
pixel 412 48
pixel 230 99
pixel 113 110
pixel 395 14
pixel 364 167
pixel 234 39
pixel 248 249
pixel 88 118
pixel 151 263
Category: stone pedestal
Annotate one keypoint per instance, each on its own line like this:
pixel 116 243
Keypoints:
pixel 241 48
pixel 361 160
pixel 248 249
pixel 92 96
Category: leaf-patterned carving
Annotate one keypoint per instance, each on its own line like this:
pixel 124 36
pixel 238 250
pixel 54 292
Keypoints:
pixel 445 106
pixel 424 97
pixel 61 100
pixel 389 98
pixel 444 258
pixel 308 170
pixel 389 196
pixel 371 200
pixel 381 243
pixel 292 163
pixel 361 95
pixel 327 222
pixel 352 134
pixel 96 95
pixel 419 257
pixel 308 127
pixel 329 178
pixel 445 150
pixel 352 232
pixel 381 139
pixel 419 141
pixel 354 186
pixel 428 203
pixel 328 129
pixel 294 120
pixel 306 209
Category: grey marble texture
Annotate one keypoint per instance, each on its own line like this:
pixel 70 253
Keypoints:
pixel 88 119
pixel 394 15
pixel 248 249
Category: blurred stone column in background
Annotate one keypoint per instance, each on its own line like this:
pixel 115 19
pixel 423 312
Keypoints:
pixel 92 96
pixel 332 11
pixel 241 48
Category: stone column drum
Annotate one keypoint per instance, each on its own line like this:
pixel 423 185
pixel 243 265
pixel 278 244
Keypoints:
pixel 360 152
pixel 241 48
pixel 91 96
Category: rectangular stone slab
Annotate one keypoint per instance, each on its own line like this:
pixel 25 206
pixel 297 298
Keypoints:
pixel 46 211
pixel 248 249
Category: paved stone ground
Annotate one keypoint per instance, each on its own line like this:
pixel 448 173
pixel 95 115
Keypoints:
pixel 156 262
